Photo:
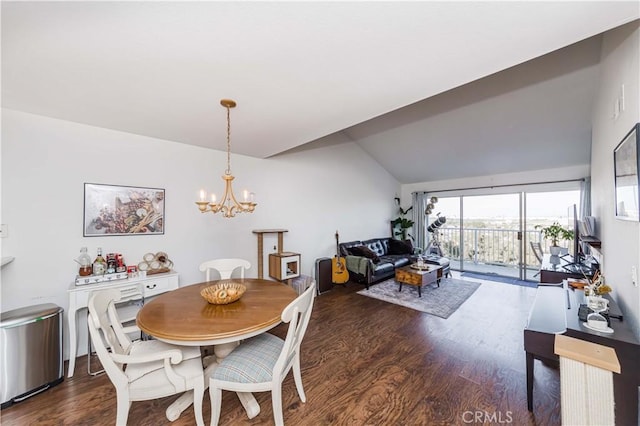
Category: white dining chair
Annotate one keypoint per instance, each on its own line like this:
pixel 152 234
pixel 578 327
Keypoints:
pixel 262 362
pixel 141 370
pixel 225 267
pixel 300 283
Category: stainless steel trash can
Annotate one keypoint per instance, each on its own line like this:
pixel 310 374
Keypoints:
pixel 31 351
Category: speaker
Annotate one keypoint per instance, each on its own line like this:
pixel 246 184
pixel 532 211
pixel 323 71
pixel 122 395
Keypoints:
pixel 323 275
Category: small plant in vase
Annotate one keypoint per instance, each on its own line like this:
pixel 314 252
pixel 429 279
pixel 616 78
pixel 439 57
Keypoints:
pixel 555 232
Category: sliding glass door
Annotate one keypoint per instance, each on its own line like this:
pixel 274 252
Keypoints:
pixel 543 209
pixel 491 227
pixel 492 233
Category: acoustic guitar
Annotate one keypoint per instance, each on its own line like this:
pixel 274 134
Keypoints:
pixel 339 273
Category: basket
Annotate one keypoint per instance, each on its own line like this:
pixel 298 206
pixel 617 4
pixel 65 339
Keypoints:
pixel 223 292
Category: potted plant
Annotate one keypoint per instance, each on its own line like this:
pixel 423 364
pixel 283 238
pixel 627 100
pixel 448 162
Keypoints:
pixel 402 222
pixel 555 232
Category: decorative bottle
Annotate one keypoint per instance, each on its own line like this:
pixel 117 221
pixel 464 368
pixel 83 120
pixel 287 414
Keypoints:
pixel 85 263
pixel 99 265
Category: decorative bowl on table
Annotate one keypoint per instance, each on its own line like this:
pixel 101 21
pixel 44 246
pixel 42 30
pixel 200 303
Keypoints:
pixel 223 292
pixel 423 267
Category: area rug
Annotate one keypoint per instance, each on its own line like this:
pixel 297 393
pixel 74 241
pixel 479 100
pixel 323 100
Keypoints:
pixel 439 301
pixel 500 279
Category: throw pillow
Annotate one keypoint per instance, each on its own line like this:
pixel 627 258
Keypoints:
pixel 400 247
pixel 365 252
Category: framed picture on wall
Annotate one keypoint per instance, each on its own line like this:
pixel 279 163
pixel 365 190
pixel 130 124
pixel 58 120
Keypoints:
pixel 122 210
pixel 625 165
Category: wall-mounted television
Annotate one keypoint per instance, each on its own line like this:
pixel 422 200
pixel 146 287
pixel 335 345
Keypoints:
pixel 625 165
pixel 579 228
pixel 574 225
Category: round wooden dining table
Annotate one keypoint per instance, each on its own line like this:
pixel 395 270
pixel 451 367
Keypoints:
pixel 184 317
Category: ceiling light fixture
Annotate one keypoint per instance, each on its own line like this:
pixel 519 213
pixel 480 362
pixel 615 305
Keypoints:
pixel 229 205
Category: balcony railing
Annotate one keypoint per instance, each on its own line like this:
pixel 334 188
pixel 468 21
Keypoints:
pixel 489 246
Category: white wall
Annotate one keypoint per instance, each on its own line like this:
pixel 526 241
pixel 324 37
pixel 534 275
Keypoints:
pixel 620 64
pixel 45 163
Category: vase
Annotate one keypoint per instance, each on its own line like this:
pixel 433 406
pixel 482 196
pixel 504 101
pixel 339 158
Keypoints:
pixel 597 303
pixel 555 250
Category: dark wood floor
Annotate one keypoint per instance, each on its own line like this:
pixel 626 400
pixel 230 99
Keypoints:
pixel 364 362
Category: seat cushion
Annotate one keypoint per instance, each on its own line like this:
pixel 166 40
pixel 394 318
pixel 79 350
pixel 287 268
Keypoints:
pixel 156 384
pixel 136 371
pixel 252 361
pixel 384 267
pixel 344 247
pixel 400 247
pixel 396 260
pixel 379 246
pixel 364 251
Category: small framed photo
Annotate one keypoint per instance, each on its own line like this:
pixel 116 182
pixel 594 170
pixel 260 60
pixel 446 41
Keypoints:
pixel 122 210
pixel 625 164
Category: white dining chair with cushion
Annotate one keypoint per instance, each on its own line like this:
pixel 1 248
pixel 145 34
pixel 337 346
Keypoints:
pixel 262 362
pixel 225 267
pixel 300 283
pixel 141 370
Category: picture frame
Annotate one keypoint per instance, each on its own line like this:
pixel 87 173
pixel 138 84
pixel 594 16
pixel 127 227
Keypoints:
pixel 625 166
pixel 116 210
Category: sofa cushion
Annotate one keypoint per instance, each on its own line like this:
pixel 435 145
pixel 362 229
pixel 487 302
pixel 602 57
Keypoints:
pixel 378 246
pixel 365 252
pixel 400 247
pixel 383 268
pixel 344 247
pixel 396 260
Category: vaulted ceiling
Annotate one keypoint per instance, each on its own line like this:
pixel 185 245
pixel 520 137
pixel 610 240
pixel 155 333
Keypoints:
pixel 483 87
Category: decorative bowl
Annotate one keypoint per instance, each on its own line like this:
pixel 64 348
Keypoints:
pixel 223 292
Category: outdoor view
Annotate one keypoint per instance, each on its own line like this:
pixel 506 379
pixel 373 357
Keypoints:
pixel 486 237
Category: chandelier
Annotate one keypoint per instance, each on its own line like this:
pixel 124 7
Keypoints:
pixel 229 205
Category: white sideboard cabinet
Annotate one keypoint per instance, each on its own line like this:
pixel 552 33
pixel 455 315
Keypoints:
pixel 136 288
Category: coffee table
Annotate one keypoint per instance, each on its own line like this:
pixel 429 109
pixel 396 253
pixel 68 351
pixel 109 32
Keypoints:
pixel 411 275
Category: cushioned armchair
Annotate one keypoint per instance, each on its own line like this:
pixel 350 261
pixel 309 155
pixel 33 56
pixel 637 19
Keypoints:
pixel 141 370
pixel 261 363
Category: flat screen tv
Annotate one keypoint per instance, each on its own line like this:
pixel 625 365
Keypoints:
pixel 578 265
pixel 574 225
pixel 626 163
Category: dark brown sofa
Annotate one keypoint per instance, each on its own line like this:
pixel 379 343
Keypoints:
pixel 374 260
